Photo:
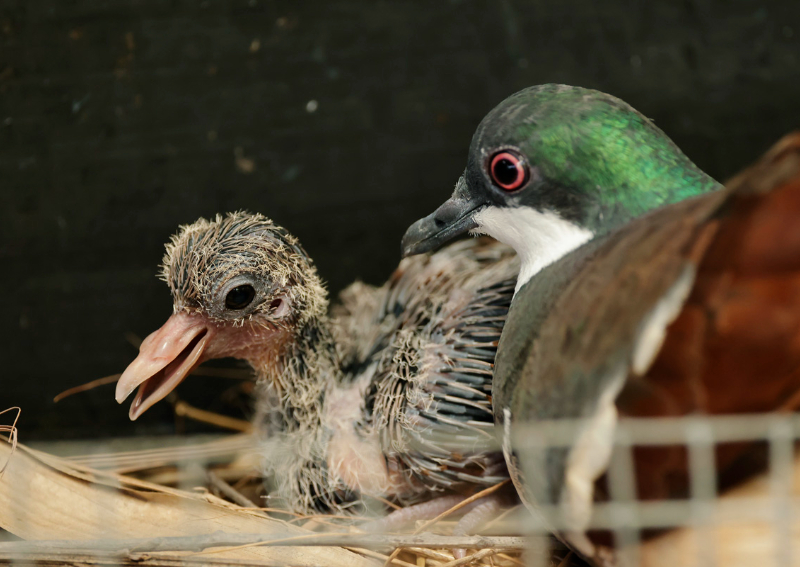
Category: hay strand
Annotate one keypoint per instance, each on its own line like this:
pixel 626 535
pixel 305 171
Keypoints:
pixel 46 498
pixel 12 435
pixel 226 541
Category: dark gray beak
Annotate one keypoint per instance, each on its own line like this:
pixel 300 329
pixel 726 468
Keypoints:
pixel 452 219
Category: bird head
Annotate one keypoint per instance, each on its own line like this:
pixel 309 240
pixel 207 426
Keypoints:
pixel 577 160
pixel 241 287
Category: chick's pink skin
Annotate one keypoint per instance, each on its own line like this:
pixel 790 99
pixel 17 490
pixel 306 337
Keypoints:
pixel 167 356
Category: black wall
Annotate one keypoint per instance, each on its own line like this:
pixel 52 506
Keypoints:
pixel 120 119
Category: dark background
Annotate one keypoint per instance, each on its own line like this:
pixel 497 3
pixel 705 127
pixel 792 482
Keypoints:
pixel 120 119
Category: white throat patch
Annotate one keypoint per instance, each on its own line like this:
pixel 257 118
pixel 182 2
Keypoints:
pixel 540 238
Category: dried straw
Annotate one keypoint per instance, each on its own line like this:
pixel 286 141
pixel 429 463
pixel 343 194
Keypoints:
pixel 65 479
pixel 12 435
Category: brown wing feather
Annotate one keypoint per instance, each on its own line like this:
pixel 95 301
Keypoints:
pixel 735 347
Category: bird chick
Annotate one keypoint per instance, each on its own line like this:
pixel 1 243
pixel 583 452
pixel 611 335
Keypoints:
pixel 390 396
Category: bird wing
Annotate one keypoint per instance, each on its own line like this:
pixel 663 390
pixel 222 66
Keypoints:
pixel 735 346
pixel 429 396
pixel 666 316
pixel 571 334
pixel 356 327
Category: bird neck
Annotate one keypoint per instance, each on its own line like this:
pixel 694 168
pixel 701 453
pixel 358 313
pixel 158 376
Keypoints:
pixel 596 182
pixel 616 167
pixel 644 181
pixel 296 387
pixel 300 371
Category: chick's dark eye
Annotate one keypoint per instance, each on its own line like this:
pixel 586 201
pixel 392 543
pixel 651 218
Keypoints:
pixel 240 297
pixel 508 170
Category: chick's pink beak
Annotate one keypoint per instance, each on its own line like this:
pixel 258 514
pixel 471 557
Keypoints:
pixel 166 357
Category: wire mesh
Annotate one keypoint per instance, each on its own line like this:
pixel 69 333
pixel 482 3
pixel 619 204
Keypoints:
pixel 762 517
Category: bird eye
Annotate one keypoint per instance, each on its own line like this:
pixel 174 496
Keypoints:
pixel 508 170
pixel 240 297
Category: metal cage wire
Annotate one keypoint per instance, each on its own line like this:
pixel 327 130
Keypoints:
pixel 706 508
pixel 623 515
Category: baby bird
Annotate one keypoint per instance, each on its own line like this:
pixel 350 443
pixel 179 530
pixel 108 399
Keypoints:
pixel 388 397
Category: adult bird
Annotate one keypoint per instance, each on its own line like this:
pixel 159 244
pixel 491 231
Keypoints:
pixel 388 397
pixel 552 166
pixel 646 289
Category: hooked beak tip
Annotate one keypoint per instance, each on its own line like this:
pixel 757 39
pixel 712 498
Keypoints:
pixel 407 249
pixel 416 239
pixel 449 221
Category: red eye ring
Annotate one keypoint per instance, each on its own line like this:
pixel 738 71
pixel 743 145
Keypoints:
pixel 508 170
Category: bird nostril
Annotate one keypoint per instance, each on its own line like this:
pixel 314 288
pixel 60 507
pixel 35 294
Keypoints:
pixel 446 214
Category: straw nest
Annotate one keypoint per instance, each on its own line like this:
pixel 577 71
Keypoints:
pixel 200 503
pixel 120 508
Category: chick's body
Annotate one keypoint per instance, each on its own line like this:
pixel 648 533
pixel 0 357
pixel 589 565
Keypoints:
pixel 406 409
pixel 388 396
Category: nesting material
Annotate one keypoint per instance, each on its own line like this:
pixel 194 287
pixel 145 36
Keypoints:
pixel 47 498
pixel 80 515
pixel 12 435
pixel 76 514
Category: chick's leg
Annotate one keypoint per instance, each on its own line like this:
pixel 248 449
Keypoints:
pixel 423 511
pixel 478 513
